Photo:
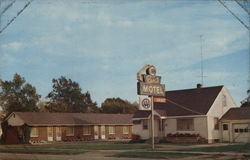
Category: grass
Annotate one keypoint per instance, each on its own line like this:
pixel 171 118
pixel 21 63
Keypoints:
pixel 152 154
pixel 106 146
pixel 227 148
pixel 68 149
pixel 41 150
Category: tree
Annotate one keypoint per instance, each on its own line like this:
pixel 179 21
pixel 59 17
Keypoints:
pixel 18 96
pixel 246 102
pixel 67 96
pixel 118 105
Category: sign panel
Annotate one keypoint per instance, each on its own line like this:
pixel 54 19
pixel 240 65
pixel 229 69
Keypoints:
pixel 151 79
pixel 160 99
pixel 145 103
pixel 151 89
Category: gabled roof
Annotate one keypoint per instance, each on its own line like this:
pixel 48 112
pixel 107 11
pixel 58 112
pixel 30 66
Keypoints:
pixel 49 119
pixel 196 101
pixel 241 113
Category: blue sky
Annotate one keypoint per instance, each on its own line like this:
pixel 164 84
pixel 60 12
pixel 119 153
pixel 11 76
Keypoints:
pixel 103 44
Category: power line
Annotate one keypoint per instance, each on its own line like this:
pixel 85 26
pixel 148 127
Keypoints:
pixel 244 5
pixel 235 16
pixel 183 107
pixel 18 13
pixel 7 7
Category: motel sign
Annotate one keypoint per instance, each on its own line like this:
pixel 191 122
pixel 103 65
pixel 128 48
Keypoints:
pixel 149 83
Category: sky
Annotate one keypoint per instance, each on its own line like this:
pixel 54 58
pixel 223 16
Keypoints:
pixel 102 44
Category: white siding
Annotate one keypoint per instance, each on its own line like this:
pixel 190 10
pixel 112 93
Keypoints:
pixel 170 126
pixel 200 126
pixel 217 111
pixel 137 129
pixel 232 136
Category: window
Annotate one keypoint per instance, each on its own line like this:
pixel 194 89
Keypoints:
pixel 34 132
pixel 236 130
pixel 241 130
pixel 136 121
pixel 70 131
pixel 216 123
pixel 87 130
pixel 144 124
pixel 125 130
pixel 246 130
pixel 225 127
pixel 111 129
pixel 185 124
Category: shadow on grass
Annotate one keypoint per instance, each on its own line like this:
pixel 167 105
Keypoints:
pixel 152 154
pixel 227 148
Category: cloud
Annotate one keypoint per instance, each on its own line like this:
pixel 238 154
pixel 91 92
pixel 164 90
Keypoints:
pixel 120 37
pixel 67 28
pixel 105 19
pixel 13 46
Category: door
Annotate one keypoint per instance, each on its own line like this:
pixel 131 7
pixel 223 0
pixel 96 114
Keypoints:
pixel 58 134
pixel 102 132
pixel 225 132
pixel 50 133
pixel 96 132
pixel 156 127
pixel 241 132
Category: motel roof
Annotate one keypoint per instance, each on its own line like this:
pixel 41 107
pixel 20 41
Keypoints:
pixel 50 119
pixel 196 101
pixel 242 113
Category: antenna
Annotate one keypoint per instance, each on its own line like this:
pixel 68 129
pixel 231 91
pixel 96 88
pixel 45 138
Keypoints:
pixel 202 76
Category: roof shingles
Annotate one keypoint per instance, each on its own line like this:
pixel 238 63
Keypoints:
pixel 242 113
pixel 195 101
pixel 45 118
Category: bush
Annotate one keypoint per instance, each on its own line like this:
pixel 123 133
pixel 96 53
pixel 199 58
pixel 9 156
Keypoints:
pixel 135 137
pixel 182 135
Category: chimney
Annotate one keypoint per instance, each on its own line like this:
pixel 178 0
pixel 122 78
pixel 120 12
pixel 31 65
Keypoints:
pixel 199 85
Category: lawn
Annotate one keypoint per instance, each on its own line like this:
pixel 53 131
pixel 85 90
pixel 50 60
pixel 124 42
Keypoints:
pixel 152 154
pixel 106 146
pixel 40 150
pixel 226 148
pixel 68 148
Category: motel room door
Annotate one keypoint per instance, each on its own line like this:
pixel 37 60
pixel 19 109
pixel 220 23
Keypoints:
pixel 58 134
pixel 96 132
pixel 50 133
pixel 225 132
pixel 102 132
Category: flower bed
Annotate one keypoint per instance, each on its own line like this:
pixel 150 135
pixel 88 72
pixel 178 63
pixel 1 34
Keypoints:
pixel 183 138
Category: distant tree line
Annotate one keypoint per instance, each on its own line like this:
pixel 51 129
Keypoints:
pixel 17 95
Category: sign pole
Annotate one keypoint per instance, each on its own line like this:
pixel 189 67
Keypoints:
pixel 149 84
pixel 152 122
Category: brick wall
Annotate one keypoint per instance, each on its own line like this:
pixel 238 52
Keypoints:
pixel 118 133
pixel 78 133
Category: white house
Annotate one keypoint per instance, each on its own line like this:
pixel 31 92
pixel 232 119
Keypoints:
pixel 235 125
pixel 188 111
